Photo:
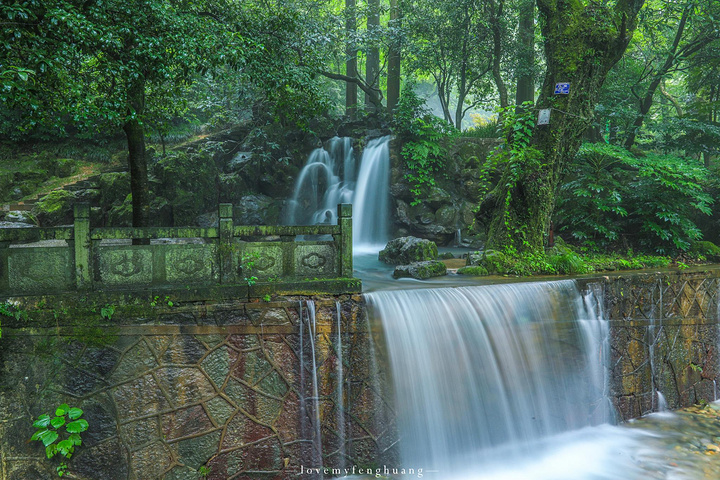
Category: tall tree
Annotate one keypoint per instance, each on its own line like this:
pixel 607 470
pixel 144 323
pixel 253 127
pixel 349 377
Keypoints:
pixel 113 52
pixel 582 41
pixel 394 49
pixel 372 59
pixel 673 33
pixel 450 41
pixel 351 63
pixel 525 87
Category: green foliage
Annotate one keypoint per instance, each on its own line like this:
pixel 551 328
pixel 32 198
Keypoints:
pixel 203 471
pixel 515 157
pixel 156 299
pixel 9 310
pixel 421 134
pixel 247 264
pixel 64 428
pixel 705 250
pixel 266 297
pixel 559 260
pixel 107 312
pixel 475 270
pixel 648 202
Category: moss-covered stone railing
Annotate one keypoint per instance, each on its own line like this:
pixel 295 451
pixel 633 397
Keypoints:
pixel 79 257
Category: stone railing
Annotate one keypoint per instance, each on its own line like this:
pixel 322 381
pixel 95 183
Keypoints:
pixel 79 257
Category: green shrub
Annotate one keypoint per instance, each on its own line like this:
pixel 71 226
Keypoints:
pixel 648 202
pixel 421 134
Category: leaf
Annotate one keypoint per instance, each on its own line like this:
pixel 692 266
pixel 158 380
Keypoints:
pixel 38 434
pixel 50 451
pixel 42 421
pixel 77 426
pixel 74 413
pixel 75 439
pixel 66 447
pixel 62 409
pixel 48 437
pixel 58 422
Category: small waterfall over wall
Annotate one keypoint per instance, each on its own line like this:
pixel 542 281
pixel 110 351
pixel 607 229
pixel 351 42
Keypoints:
pixel 481 368
pixel 332 176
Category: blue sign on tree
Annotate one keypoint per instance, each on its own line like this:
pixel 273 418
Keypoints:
pixel 562 88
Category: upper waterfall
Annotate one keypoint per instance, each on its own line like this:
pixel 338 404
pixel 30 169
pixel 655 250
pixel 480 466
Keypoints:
pixel 331 176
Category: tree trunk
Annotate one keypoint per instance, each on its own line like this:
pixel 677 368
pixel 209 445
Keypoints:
pixel 393 75
pixel 135 134
pixel 351 90
pixel 525 90
pixel 498 53
pixel 372 64
pixel 581 45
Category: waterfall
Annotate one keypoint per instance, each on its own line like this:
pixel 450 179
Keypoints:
pixel 339 401
pixel 317 438
pixel 371 201
pixel 331 176
pixel 477 369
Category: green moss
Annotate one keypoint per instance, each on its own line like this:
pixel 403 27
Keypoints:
pixel 705 249
pixel 55 208
pixel 475 270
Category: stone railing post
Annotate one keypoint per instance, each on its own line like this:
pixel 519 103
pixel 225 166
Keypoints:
pixel 346 239
pixel 225 244
pixel 83 247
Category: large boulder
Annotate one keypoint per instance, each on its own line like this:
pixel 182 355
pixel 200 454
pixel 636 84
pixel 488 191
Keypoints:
pixel 421 270
pixel 406 250
pixel 55 208
pixel 190 183
pixel 256 210
pixel 114 188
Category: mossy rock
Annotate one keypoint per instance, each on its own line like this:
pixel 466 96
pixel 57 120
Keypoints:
pixel 160 213
pixel 59 167
pixel 421 270
pixel 121 215
pixel 446 256
pixel 7 185
pixel 114 188
pixel 477 271
pixel 406 250
pixel 707 249
pixel 256 210
pixel 55 208
pixel 190 183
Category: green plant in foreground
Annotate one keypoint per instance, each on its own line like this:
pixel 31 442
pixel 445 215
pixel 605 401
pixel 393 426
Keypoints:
pixel 66 427
pixel 203 471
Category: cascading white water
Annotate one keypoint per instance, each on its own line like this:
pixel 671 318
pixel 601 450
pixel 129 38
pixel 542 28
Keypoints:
pixel 327 179
pixel 371 201
pixel 477 369
pixel 317 438
pixel 339 401
pixel 331 176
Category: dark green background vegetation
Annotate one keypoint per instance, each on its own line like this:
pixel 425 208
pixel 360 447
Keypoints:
pixel 628 162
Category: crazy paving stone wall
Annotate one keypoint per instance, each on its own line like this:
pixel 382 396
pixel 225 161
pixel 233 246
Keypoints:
pixel 664 336
pixel 223 390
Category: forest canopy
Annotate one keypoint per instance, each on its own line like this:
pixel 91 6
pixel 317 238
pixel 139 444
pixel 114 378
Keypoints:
pixel 644 87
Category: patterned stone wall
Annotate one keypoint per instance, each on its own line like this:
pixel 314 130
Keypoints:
pixel 664 338
pixel 202 386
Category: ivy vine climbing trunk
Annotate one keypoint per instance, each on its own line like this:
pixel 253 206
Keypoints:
pixel 582 41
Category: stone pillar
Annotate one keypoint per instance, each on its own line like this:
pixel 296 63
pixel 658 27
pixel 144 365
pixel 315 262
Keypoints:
pixel 346 239
pixel 83 247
